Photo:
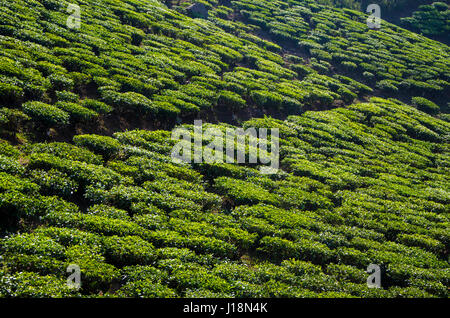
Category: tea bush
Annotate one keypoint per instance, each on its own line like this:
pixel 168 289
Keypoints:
pixel 29 284
pixel 129 250
pixel 45 113
pixel 425 105
pixel 103 145
pixel 76 111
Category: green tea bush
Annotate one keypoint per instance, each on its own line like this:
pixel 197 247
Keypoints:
pixel 45 113
pixel 300 268
pixel 13 183
pixel 145 289
pixel 84 174
pixel 422 241
pixel 31 285
pixel 304 249
pixel 347 273
pixel 103 145
pixel 145 281
pixel 96 106
pixel 76 111
pixel 266 99
pixel 425 105
pixel 109 212
pixel 243 192
pixel 12 119
pixel 429 19
pixel 32 244
pixel 11 166
pixel 193 279
pixel 69 237
pixel 66 96
pixel 60 82
pixel 231 100
pixel 95 273
pixel 129 250
pixel 128 102
pixel 64 151
pixel 54 182
pixel 93 223
pixel 10 93
pixel 38 264
pixel 433 288
pixel 8 150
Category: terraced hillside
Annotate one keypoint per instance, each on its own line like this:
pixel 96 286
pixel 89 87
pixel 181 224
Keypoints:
pixel 87 177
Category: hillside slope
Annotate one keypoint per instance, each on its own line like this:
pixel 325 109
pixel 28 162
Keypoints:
pixel 166 67
pixel 87 177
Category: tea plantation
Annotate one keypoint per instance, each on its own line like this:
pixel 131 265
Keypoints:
pixel 87 178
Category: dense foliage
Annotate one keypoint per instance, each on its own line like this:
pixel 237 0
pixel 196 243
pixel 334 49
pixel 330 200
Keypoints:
pixel 140 59
pixel 359 185
pixel 430 19
pixel 365 183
